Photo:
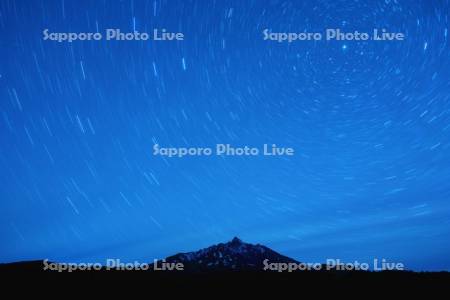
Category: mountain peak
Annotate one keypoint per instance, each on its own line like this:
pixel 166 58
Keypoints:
pixel 233 255
pixel 236 241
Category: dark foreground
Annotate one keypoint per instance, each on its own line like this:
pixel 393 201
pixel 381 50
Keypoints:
pixel 265 279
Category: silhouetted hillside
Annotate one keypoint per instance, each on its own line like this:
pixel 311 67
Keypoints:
pixel 234 255
pixel 231 261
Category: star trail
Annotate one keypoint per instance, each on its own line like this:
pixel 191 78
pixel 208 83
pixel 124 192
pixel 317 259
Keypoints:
pixel 367 119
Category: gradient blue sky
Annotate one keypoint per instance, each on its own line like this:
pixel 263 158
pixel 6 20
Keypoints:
pixel 369 121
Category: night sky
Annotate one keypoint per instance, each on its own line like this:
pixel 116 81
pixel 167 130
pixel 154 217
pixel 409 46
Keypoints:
pixel 369 122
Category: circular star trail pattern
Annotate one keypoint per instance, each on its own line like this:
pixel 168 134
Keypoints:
pixel 369 122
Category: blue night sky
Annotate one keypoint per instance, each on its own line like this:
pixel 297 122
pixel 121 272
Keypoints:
pixel 369 122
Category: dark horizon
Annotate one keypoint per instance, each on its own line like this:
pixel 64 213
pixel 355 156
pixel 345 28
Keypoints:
pixel 377 265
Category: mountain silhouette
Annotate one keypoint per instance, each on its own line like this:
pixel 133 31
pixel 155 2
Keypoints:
pixel 233 255
pixel 235 261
